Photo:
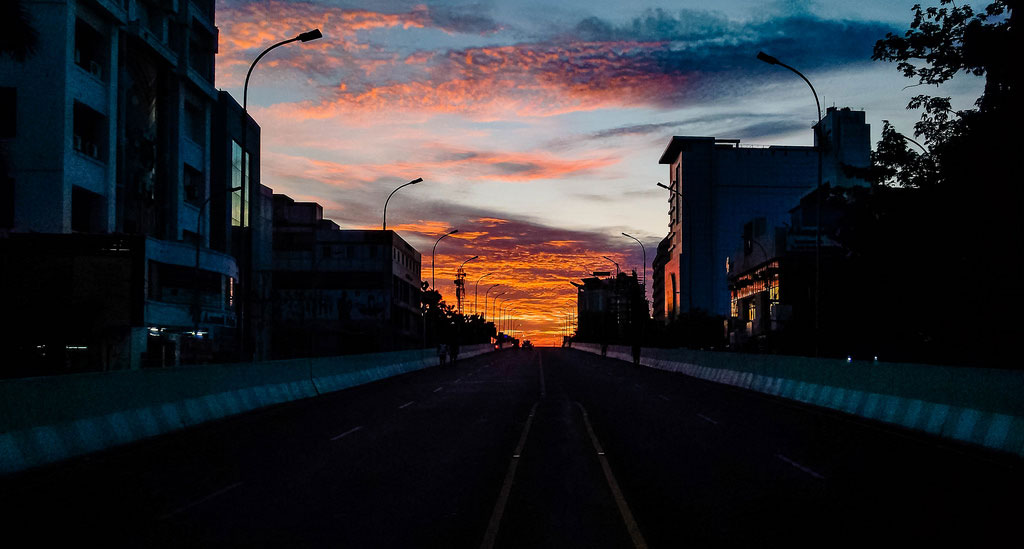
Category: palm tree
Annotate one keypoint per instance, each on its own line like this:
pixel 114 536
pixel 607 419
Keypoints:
pixel 18 38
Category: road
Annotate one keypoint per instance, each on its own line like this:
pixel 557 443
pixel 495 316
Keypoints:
pixel 543 448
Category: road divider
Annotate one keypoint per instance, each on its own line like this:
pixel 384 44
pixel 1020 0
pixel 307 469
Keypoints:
pixel 981 406
pixel 48 419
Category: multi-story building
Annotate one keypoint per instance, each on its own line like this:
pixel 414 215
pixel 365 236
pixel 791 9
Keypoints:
pixel 660 305
pixel 115 150
pixel 610 310
pixel 340 291
pixel 718 185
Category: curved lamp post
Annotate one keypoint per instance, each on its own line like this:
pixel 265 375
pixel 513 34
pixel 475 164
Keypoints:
pixel 449 233
pixel 643 283
pixel 616 265
pixel 476 292
pixel 819 143
pixel 307 36
pixel 494 302
pixel 384 223
pixel 485 299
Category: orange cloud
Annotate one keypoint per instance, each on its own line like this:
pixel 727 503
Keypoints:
pixel 531 264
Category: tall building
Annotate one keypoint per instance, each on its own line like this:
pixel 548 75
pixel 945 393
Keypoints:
pixel 610 310
pixel 719 184
pixel 115 165
pixel 340 291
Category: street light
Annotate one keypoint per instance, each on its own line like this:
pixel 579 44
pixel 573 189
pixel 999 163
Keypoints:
pixel 307 36
pixel 196 309
pixel 384 223
pixel 453 231
pixel 616 265
pixel 476 292
pixel 818 144
pixel 485 298
pixel 495 302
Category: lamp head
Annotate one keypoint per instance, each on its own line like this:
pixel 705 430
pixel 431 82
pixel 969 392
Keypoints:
pixel 454 231
pixel 663 186
pixel 415 181
pixel 767 58
pixel 472 258
pixel 314 34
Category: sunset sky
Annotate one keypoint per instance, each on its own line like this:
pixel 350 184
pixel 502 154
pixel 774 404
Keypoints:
pixel 537 125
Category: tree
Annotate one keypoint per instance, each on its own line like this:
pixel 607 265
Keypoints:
pixel 949 234
pixel 18 38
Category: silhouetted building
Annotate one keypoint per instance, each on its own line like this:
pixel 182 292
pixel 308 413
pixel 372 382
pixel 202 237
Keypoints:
pixel 772 277
pixel 116 152
pixel 724 184
pixel 660 304
pixel 340 291
pixel 610 310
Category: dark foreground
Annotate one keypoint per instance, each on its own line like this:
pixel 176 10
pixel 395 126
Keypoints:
pixel 546 448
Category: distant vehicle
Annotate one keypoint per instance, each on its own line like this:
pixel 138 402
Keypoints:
pixel 527 344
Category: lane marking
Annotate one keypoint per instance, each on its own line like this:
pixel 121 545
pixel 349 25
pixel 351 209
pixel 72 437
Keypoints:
pixel 349 432
pixel 458 380
pixel 620 500
pixel 665 398
pixel 406 404
pixel 801 467
pixel 707 419
pixel 438 389
pixel 201 501
pixel 506 488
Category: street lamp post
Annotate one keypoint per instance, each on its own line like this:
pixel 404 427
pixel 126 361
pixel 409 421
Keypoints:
pixel 643 284
pixel 476 292
pixel 307 36
pixel 384 223
pixel 616 265
pixel 494 303
pixel 485 298
pixel 449 233
pixel 819 143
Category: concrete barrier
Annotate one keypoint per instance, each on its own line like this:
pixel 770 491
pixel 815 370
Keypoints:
pixel 981 406
pixel 48 419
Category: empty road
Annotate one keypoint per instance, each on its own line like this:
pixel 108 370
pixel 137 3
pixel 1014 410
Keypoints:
pixel 542 448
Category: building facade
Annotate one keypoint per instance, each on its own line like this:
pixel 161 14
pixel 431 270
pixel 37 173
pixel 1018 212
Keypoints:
pixel 114 146
pixel 718 185
pixel 340 291
pixel 610 310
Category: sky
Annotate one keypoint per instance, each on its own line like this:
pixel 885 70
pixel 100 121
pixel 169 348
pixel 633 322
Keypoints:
pixel 536 125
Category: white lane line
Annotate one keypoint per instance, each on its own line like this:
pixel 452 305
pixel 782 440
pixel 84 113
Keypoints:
pixel 506 488
pixel 707 419
pixel 406 404
pixel 438 389
pixel 201 501
pixel 346 433
pixel 665 398
pixel 620 500
pixel 801 467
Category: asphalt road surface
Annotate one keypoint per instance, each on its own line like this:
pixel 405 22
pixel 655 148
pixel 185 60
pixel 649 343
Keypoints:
pixel 542 448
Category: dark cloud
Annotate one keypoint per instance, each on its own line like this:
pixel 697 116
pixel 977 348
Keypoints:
pixel 464 19
pixel 636 129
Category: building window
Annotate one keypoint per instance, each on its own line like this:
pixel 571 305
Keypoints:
pixel 90 132
pixel 90 49
pixel 240 197
pixel 195 186
pixel 752 310
pixel 200 52
pixel 87 211
pixel 8 112
pixel 195 123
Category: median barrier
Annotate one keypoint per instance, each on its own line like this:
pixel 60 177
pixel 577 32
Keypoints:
pixel 48 419
pixel 981 406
